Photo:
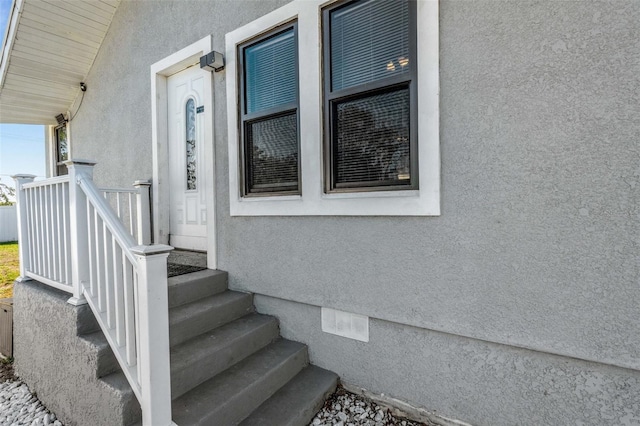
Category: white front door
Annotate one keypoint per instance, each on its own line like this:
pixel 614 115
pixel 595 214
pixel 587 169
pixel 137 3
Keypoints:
pixel 187 176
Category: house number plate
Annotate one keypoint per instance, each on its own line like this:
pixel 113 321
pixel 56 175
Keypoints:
pixel 200 109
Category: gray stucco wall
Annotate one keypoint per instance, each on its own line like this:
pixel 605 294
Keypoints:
pixel 481 382
pixel 61 367
pixel 113 125
pixel 537 245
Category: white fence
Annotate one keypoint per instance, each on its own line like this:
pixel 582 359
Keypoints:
pixel 8 223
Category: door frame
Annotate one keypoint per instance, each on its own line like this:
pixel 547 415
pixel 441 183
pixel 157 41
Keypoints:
pixel 160 71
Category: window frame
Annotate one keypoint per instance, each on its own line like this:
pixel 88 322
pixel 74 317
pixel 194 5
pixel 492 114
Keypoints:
pixel 331 100
pixel 246 119
pixel 60 164
pixel 314 201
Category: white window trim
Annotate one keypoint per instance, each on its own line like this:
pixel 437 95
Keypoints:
pixel 52 147
pixel 314 201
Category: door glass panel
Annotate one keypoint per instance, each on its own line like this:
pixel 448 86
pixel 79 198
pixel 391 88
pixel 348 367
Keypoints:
pixel 190 123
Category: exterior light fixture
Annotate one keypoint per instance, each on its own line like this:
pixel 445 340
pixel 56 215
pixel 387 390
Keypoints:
pixel 60 118
pixel 403 61
pixel 212 61
pixel 391 66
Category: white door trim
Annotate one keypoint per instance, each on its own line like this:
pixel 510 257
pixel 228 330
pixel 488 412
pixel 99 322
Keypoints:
pixel 160 143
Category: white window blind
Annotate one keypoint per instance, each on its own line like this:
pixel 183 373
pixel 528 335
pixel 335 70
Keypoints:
pixel 369 41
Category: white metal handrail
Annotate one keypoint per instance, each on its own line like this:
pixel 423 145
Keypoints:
pixel 46 224
pixel 110 218
pixel 131 205
pixel 124 284
pixel 112 274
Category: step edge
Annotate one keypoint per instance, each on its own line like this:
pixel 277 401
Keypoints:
pixel 310 406
pixel 269 327
pixel 299 356
pixel 198 275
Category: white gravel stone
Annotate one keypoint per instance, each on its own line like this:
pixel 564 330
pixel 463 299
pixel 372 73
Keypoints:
pixel 20 408
pixel 345 409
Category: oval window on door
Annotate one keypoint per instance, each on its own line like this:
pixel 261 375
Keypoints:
pixel 190 132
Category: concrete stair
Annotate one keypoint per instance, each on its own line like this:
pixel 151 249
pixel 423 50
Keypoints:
pixel 229 365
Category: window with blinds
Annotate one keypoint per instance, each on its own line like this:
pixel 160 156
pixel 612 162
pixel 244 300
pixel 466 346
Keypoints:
pixel 369 96
pixel 269 92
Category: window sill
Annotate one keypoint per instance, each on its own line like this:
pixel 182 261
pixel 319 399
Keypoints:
pixel 371 194
pixel 267 198
pixel 396 203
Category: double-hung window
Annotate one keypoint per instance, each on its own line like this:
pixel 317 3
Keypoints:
pixel 370 129
pixel 269 114
pixel 336 114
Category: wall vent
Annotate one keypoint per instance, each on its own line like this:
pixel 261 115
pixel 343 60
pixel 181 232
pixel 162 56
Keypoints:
pixel 345 324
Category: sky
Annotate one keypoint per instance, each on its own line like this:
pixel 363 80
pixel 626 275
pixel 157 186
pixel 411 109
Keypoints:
pixel 22 148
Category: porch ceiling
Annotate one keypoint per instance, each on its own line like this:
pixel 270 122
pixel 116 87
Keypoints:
pixel 49 48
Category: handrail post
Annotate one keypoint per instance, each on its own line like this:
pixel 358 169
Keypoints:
pixel 23 226
pixel 153 320
pixel 143 211
pixel 78 231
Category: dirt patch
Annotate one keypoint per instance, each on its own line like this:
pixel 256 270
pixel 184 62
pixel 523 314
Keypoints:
pixel 6 370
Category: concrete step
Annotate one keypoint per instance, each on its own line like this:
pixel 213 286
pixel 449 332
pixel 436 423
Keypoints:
pixel 232 395
pixel 195 286
pixel 199 359
pixel 298 401
pixel 192 319
pixel 128 403
pixel 106 362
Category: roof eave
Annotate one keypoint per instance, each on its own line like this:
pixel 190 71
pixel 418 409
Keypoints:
pixel 46 49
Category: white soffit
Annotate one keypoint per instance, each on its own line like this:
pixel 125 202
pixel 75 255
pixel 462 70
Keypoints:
pixel 49 48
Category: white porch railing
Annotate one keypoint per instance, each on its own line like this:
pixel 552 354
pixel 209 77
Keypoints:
pixel 70 238
pixel 132 208
pixel 43 212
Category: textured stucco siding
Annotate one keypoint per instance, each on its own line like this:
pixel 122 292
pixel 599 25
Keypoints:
pixel 481 382
pixel 537 245
pixel 61 367
pixel 113 125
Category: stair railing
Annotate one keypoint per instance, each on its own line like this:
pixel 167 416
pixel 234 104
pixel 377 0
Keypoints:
pixel 67 221
pixel 132 208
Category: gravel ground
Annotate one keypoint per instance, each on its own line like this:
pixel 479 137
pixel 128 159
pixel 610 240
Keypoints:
pixel 347 409
pixel 18 406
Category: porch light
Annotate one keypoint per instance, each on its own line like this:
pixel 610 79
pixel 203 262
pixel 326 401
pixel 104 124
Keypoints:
pixel 212 61
pixel 61 119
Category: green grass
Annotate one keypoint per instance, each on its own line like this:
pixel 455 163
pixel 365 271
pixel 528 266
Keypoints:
pixel 9 268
